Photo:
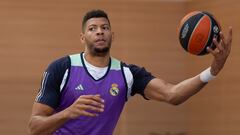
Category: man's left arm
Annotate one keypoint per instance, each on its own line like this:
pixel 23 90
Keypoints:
pixel 160 90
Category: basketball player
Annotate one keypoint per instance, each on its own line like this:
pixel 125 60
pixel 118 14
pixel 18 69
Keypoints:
pixel 84 94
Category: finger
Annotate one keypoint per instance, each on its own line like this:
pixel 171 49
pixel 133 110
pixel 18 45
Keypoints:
pixel 94 97
pixel 210 50
pixel 218 44
pixel 85 113
pixel 98 98
pixel 222 38
pixel 86 96
pixel 90 102
pixel 89 107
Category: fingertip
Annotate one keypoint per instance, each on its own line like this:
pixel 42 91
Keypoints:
pixel 215 42
pixel 102 100
pixel 208 49
pixel 94 114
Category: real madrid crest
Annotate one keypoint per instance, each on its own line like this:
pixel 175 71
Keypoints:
pixel 114 91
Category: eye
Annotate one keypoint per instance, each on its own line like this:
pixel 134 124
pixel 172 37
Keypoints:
pixel 92 29
pixel 106 27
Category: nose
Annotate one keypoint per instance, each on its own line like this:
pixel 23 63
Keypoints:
pixel 100 31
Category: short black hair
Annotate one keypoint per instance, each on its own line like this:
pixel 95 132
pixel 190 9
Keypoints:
pixel 96 13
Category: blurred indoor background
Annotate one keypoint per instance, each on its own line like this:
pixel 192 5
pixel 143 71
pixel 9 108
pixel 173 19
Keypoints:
pixel 33 33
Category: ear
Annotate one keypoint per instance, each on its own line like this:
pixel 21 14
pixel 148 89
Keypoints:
pixel 82 38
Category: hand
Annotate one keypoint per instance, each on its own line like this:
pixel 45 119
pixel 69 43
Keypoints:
pixel 223 48
pixel 83 105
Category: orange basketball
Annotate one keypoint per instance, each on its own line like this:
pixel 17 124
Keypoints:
pixel 196 32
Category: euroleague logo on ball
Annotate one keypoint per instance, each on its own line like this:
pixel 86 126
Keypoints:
pixel 196 32
pixel 185 31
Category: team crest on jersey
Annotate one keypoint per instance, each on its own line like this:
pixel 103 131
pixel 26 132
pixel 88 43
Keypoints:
pixel 114 91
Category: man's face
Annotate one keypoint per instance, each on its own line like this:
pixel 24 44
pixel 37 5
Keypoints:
pixel 97 36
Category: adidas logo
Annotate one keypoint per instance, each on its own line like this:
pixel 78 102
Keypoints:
pixel 79 87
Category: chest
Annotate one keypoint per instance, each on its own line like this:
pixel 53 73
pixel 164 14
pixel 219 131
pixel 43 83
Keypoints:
pixel 111 87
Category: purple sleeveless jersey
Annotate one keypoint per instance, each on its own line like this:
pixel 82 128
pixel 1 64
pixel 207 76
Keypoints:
pixel 111 87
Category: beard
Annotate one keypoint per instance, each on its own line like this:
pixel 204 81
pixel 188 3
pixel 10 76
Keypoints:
pixel 96 51
pixel 104 50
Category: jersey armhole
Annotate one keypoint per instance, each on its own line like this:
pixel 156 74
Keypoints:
pixel 65 77
pixel 125 81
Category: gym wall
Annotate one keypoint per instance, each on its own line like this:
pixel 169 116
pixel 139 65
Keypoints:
pixel 35 33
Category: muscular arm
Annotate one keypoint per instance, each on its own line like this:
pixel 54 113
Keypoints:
pixel 161 90
pixel 43 121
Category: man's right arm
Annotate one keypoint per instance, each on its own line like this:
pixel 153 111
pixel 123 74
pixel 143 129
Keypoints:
pixel 43 121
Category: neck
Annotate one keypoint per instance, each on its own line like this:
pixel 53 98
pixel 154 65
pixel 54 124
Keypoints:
pixel 98 61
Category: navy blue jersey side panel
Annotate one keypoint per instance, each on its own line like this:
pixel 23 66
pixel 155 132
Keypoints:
pixel 49 92
pixel 141 77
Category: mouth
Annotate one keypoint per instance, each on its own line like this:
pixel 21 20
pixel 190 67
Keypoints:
pixel 100 41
